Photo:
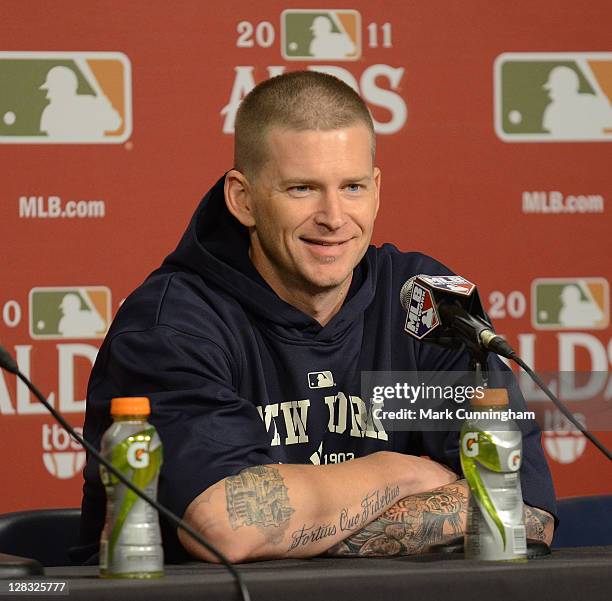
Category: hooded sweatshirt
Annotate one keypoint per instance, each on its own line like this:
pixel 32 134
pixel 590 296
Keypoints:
pixel 237 377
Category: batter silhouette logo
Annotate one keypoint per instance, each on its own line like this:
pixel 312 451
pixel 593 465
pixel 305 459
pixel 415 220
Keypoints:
pixel 59 313
pixel 321 35
pixel 320 379
pixel 555 97
pixel 65 98
pixel 570 304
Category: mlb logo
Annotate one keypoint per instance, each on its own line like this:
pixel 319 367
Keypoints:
pixel 320 35
pixel 422 316
pixel 556 97
pixel 570 304
pixel 65 98
pixel 449 283
pixel 59 313
pixel 320 379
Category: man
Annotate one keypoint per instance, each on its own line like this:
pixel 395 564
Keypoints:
pixel 273 284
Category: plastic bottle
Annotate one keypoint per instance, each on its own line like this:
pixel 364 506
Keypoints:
pixel 491 458
pixel 130 545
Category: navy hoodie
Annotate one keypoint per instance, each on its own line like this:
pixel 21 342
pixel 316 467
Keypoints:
pixel 231 371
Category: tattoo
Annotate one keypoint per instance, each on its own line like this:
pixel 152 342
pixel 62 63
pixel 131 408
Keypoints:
pixel 257 496
pixel 538 523
pixel 412 525
pixel 304 535
pixel 371 504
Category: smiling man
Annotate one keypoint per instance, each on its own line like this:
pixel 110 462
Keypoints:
pixel 310 213
pixel 250 341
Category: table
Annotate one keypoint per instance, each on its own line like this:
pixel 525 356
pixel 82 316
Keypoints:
pixel 568 574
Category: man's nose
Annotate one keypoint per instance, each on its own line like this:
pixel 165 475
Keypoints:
pixel 331 212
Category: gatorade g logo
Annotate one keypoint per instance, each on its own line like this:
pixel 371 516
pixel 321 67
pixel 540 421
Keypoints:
pixel 469 444
pixel 514 460
pixel 65 97
pixel 138 454
pixel 555 97
pixel 321 35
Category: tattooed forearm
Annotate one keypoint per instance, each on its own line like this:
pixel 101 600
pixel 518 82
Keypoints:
pixel 257 496
pixel 538 524
pixel 412 525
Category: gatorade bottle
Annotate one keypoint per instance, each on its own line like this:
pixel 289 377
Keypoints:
pixel 130 545
pixel 491 459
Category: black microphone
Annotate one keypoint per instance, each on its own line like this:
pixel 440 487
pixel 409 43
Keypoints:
pixel 447 310
pixel 7 362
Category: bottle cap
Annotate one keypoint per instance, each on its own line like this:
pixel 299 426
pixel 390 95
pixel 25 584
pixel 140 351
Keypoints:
pixel 132 405
pixel 493 397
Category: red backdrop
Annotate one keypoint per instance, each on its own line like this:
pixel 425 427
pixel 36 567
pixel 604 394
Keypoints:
pixel 474 173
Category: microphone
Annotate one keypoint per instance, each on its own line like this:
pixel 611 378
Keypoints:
pixel 448 311
pixel 9 364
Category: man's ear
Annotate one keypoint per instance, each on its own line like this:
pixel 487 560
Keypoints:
pixel 238 197
pixel 377 179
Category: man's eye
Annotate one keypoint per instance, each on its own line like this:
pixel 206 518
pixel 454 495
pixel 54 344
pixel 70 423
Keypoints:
pixel 354 187
pixel 300 189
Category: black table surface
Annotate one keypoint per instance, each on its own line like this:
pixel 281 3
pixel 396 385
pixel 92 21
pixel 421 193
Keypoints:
pixel 567 574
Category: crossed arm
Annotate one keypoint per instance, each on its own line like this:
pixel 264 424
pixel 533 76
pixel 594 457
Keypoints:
pixel 419 521
pixel 375 505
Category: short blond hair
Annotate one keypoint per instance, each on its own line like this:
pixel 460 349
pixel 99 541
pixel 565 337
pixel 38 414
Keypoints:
pixel 300 100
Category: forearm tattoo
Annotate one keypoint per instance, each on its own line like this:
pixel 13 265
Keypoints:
pixel 412 525
pixel 348 520
pixel 257 496
pixel 538 524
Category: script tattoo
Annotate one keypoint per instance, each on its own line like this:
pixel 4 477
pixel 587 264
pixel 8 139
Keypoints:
pixel 538 524
pixel 311 534
pixel 371 504
pixel 412 525
pixel 257 496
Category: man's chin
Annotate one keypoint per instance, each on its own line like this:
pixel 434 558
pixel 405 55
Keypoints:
pixel 327 282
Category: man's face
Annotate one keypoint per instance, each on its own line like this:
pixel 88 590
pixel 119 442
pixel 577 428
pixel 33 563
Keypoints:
pixel 314 203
